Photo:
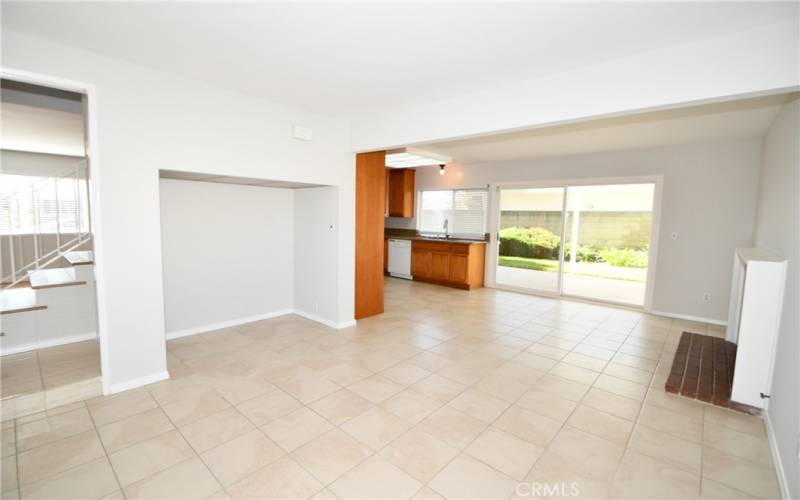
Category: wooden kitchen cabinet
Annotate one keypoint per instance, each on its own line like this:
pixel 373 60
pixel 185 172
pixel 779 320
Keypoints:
pixel 458 265
pixel 400 192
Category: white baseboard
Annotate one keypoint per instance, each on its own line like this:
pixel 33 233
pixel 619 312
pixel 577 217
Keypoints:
pixel 137 382
pixel 44 344
pixel 783 483
pixel 226 324
pixel 687 317
pixel 324 321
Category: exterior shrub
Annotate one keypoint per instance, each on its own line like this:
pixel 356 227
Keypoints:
pixel 625 257
pixel 532 243
pixel 586 253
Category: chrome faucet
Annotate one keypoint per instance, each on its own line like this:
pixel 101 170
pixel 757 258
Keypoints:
pixel 445 228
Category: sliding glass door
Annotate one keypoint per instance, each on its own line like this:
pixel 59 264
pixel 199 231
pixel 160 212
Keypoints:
pixel 606 233
pixel 531 223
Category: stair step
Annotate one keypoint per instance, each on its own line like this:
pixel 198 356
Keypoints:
pixel 17 300
pixel 51 278
pixel 80 258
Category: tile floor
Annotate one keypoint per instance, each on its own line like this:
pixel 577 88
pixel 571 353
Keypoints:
pixel 48 378
pixel 481 394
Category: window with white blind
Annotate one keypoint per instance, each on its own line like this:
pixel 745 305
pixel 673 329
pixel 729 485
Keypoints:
pixel 464 210
pixel 48 203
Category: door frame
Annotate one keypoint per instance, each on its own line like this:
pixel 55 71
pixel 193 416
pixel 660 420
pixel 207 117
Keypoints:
pixel 493 227
pixel 95 207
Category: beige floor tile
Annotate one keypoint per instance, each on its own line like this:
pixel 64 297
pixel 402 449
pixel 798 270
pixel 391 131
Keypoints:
pixel 110 409
pixel 94 479
pixel 569 389
pixel 53 428
pixel 679 404
pixel 426 493
pixel 58 456
pixel 547 404
pixel 547 351
pixel 405 374
pixel 666 447
pixel 713 490
pixel 743 445
pixel 331 455
pixel 535 361
pixel 341 406
pixel 466 477
pixel 376 388
pixel 628 373
pixel 621 387
pixel 506 453
pixel 527 425
pixel 235 459
pixel 264 409
pixel 8 446
pixel 439 388
pixel 419 454
pixel 601 424
pixel 188 479
pixel 575 456
pixel 479 405
pixel 677 424
pixel 150 456
pixel 308 390
pixel 574 373
pixel 501 386
pixel 9 474
pixel 740 474
pixel 736 421
pixel 134 429
pixel 216 429
pixel 188 410
pixel 296 429
pixel 283 478
pixel 375 478
pixel 410 406
pixel 640 476
pixel 453 427
pixel 614 404
pixel 375 428
pixel 584 361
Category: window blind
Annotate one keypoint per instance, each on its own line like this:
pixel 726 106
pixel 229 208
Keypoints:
pixel 463 209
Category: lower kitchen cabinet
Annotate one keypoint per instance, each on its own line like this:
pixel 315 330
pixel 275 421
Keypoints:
pixel 459 265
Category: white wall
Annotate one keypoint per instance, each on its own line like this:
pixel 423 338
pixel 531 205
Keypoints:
pixel 149 120
pixel 752 62
pixel 227 253
pixel 778 229
pixel 709 196
pixel 315 232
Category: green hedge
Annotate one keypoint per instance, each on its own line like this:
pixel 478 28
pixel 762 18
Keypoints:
pixel 532 243
pixel 625 257
pixel 540 243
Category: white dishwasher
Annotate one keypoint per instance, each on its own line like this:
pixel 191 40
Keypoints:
pixel 400 258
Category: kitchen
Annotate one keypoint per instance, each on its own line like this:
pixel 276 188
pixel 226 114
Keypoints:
pixel 446 244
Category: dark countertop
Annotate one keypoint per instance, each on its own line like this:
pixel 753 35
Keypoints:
pixel 461 241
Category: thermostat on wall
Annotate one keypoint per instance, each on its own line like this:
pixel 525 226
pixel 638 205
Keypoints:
pixel 302 133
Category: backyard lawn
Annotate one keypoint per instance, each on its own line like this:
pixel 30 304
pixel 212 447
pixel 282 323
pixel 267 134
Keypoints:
pixel 596 269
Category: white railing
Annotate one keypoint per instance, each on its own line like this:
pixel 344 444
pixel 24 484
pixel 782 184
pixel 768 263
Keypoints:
pixel 51 208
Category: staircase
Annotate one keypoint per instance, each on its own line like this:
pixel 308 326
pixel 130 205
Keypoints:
pixel 48 290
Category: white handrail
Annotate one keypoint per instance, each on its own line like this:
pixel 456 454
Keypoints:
pixel 33 195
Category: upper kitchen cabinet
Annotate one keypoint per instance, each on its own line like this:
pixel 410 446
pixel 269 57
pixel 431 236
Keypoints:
pixel 400 192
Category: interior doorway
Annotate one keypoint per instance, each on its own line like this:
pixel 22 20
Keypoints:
pixel 589 240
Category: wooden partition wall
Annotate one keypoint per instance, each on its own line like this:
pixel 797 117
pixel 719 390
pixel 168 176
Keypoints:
pixel 370 208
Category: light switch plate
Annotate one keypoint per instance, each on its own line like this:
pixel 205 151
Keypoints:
pixel 302 133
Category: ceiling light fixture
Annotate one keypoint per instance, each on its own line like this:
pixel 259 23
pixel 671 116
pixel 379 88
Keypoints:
pixel 411 157
pixel 441 169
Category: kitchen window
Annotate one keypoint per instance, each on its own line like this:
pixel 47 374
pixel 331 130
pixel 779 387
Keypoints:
pixel 460 212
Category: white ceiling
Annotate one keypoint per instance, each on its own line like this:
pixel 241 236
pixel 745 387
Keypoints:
pixel 343 58
pixel 747 118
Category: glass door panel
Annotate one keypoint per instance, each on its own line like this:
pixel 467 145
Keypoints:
pixel 607 242
pixel 531 222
